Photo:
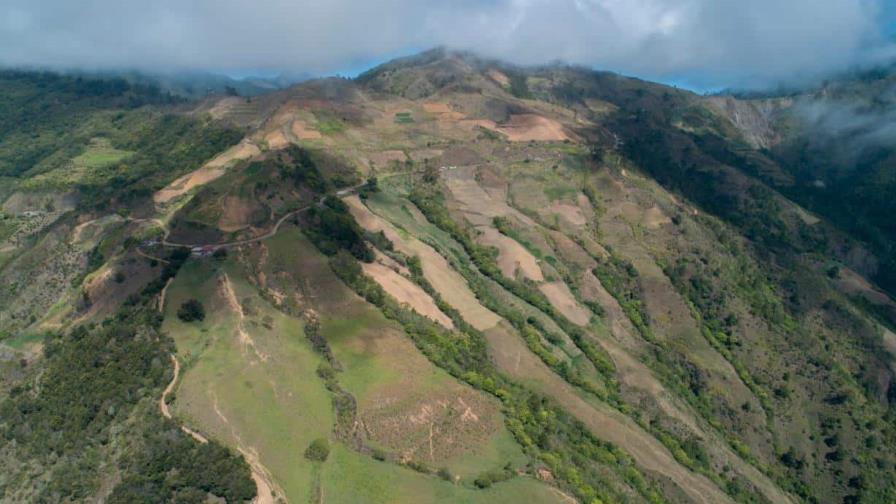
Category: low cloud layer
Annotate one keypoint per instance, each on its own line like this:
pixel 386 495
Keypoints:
pixel 856 124
pixel 703 42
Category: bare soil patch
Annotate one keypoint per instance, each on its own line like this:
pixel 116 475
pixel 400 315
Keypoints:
pixel 436 108
pixel 407 292
pixel 430 428
pixel 208 172
pixel 533 127
pixel 236 214
pixel 225 106
pixel 570 251
pixel 301 131
pixel 458 155
pixel 244 337
pixel 276 140
pixel 450 285
pixel 443 111
pixel 479 123
pixel 569 212
pixel 421 155
pixel 512 257
pixel 561 298
pixel 806 217
pixel 106 293
pixel 499 77
pixel 385 158
pixel 852 283
pixel 655 218
pixel 478 204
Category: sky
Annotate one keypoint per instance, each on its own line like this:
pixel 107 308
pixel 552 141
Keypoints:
pixel 699 44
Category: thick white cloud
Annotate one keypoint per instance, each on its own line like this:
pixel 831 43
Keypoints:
pixel 728 42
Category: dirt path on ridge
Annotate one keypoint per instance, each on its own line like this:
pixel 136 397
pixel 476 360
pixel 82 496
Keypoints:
pixel 163 403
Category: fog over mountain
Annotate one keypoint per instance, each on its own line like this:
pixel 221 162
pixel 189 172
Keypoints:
pixel 701 43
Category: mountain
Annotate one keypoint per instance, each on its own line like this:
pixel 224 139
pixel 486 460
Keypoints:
pixel 833 147
pixel 448 280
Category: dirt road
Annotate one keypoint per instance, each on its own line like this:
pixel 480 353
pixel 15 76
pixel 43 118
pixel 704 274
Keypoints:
pixel 163 403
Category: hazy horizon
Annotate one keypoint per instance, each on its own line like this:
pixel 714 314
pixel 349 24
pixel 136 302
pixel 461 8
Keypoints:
pixel 700 44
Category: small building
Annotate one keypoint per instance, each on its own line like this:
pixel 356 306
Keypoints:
pixel 203 251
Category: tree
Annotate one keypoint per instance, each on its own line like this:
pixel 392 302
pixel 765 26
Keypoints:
pixel 318 450
pixel 191 310
pixel 370 187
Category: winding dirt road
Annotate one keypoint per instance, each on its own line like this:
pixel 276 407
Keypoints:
pixel 163 403
pixel 274 230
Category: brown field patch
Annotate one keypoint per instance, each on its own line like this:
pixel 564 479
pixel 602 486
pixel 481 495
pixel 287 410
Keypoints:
pixel 385 158
pixel 561 298
pixel 512 257
pixel 431 428
pixel 450 285
pixel 437 108
pixel 569 212
pixel 421 155
pixel 407 292
pixel 208 172
pixel 105 293
pixel 480 123
pixel 301 131
pixel 478 204
pixel 852 283
pixel 499 77
pixel 889 340
pixel 806 217
pixel 533 127
pixel 224 106
pixel 235 214
pixel 655 218
pixel 443 111
pixel 570 251
pixel 276 140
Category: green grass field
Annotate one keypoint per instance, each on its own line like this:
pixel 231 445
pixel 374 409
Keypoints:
pixel 348 478
pixel 87 167
pixel 273 406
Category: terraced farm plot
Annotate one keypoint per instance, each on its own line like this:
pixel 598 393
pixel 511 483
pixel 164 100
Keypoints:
pixel 448 283
pixel 513 258
pixel 407 292
pixel 514 358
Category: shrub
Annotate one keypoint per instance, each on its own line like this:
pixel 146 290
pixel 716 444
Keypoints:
pixel 318 450
pixel 445 474
pixel 191 310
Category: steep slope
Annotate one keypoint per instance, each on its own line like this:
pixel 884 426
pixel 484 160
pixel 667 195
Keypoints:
pixel 833 146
